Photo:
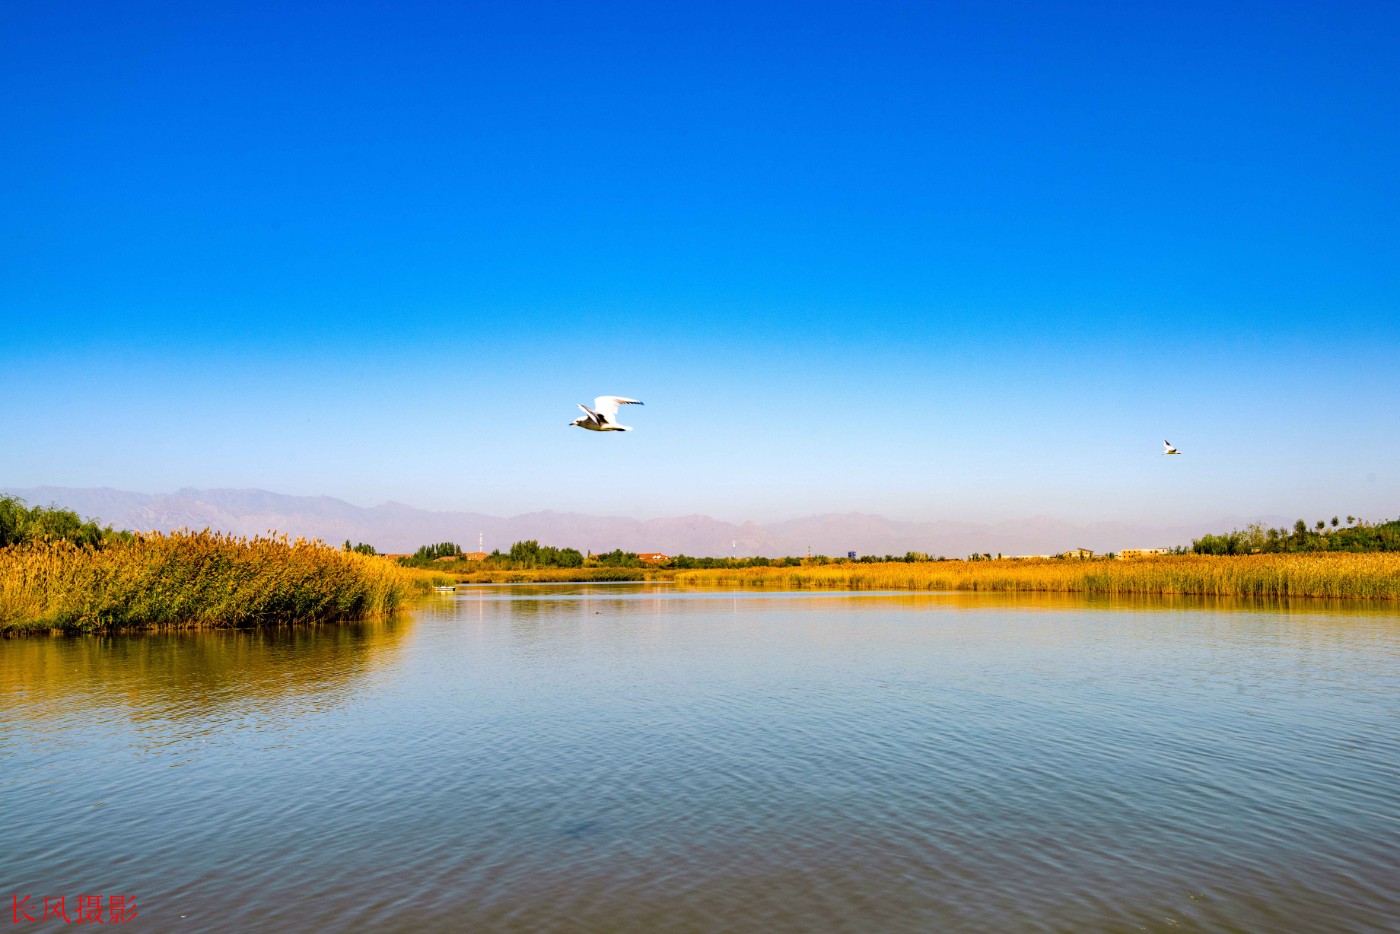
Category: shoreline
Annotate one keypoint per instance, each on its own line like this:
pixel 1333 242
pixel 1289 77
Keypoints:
pixel 1345 576
pixel 1369 576
pixel 279 583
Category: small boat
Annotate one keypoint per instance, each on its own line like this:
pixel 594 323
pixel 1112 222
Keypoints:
pixel 445 589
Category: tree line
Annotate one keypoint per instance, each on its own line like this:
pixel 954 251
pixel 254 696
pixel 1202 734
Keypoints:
pixel 21 523
pixel 521 556
pixel 1357 535
pixel 530 554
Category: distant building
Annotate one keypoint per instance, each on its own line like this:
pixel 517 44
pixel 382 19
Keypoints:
pixel 1143 552
pixel 653 558
pixel 1077 553
pixel 850 556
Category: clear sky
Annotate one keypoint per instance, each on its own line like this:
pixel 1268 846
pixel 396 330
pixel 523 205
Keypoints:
pixel 927 259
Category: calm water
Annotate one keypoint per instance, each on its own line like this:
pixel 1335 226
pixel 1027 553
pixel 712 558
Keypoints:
pixel 634 758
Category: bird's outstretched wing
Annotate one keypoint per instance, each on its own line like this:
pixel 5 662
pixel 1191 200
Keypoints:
pixel 1167 445
pixel 606 406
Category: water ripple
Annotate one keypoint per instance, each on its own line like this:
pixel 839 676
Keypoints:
pixel 635 758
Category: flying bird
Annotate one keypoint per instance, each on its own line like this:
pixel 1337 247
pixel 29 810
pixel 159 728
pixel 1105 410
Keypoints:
pixel 603 415
pixel 1168 448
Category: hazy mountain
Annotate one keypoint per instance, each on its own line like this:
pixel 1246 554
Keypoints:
pixel 395 527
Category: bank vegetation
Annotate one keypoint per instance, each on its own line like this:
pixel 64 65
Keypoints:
pixel 192 579
pixel 1336 575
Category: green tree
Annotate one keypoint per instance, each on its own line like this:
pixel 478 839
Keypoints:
pixel 525 553
pixel 439 550
pixel 22 523
pixel 1362 537
pixel 617 558
pixel 14 517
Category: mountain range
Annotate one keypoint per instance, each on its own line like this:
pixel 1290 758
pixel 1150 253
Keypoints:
pixel 395 527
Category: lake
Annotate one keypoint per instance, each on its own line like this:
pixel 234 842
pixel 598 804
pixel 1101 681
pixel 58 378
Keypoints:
pixel 642 757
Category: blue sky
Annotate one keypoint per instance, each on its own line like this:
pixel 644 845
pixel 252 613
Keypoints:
pixel 928 260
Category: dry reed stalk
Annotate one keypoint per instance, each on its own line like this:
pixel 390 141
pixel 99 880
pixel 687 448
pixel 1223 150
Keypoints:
pixel 1353 576
pixel 192 579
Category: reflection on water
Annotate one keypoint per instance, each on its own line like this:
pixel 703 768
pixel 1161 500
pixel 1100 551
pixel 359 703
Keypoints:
pixel 193 674
pixel 644 757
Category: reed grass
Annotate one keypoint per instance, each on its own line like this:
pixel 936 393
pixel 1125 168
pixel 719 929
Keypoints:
pixel 1347 576
pixel 191 579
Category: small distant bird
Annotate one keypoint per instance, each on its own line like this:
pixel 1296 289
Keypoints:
pixel 1168 448
pixel 603 415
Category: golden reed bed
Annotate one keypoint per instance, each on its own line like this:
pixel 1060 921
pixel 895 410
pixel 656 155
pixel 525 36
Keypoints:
pixel 193 579
pixel 1350 576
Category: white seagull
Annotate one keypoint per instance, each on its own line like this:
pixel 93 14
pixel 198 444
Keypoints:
pixel 1168 448
pixel 603 415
